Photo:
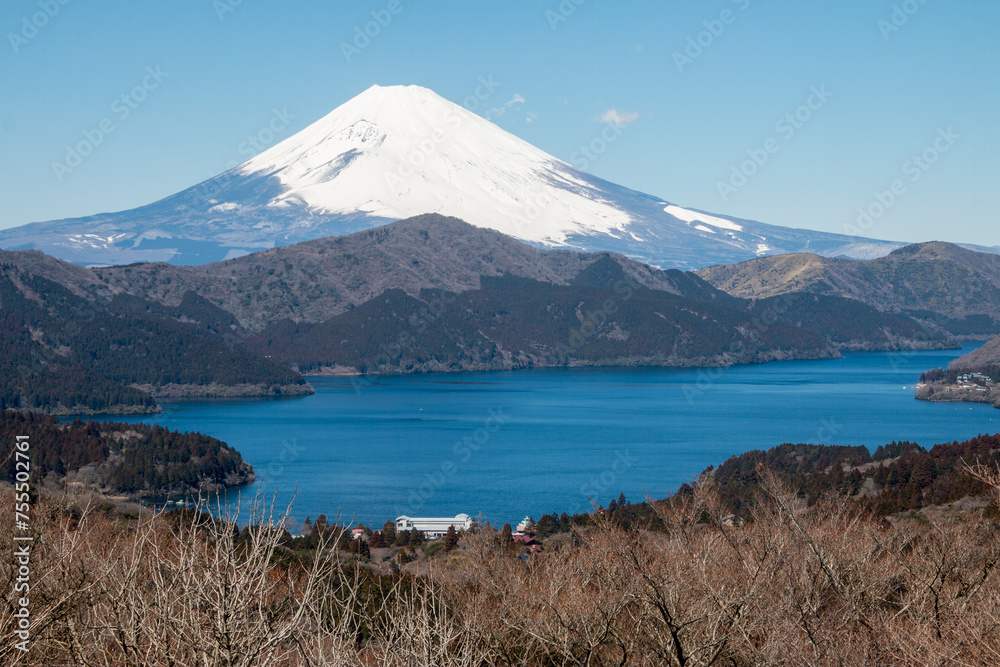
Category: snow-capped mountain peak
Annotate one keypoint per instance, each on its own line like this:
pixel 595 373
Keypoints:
pixel 393 152
pixel 398 151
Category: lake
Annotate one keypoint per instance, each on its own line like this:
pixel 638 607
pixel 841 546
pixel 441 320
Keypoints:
pixel 511 444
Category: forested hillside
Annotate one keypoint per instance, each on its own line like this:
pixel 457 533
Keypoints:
pixel 133 459
pixel 600 318
pixel 972 378
pixel 947 286
pixel 316 280
pixel 425 294
pixel 63 352
pixel 897 477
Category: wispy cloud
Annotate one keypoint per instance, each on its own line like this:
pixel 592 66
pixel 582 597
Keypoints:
pixel 501 110
pixel 619 118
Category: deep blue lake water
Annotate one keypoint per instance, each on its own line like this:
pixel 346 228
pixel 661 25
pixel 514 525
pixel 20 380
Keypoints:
pixel 512 444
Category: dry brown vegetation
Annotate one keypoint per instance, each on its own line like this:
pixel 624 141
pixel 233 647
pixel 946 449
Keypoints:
pixel 796 585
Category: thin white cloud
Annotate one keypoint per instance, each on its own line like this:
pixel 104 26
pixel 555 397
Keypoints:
pixel 619 118
pixel 530 118
pixel 501 110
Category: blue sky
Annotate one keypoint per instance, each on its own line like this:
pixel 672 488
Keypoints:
pixel 700 87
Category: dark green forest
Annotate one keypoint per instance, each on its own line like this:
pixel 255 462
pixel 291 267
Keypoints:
pixel 129 458
pixel 898 477
pixel 951 375
pixel 601 318
pixel 62 352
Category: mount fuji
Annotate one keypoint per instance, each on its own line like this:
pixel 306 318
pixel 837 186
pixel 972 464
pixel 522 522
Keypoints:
pixel 398 151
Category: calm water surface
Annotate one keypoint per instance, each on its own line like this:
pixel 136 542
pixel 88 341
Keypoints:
pixel 506 445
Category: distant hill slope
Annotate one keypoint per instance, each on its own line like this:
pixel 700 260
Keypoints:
pixel 898 477
pixel 601 318
pixel 972 378
pixel 70 345
pixel 984 357
pixel 134 459
pixel 428 293
pixel 315 280
pixel 955 288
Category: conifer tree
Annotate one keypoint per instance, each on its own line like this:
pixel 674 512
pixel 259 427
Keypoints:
pixel 451 539
pixel 376 541
pixel 389 533
pixel 506 538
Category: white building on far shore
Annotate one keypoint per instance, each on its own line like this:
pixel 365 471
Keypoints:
pixel 434 526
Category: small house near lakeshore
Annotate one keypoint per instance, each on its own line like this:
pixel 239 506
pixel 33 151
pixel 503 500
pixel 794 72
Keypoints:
pixel 434 526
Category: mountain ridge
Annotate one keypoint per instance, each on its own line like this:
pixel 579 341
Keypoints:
pixel 983 357
pixel 429 293
pixel 428 251
pixel 943 283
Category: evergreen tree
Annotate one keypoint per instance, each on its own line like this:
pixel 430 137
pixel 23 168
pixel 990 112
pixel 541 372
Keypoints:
pixel 389 533
pixel 451 539
pixel 506 539
pixel 923 472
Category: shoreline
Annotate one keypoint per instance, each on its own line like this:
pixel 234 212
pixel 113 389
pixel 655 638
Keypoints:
pixel 216 390
pixel 181 391
pixel 936 392
pixel 719 361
